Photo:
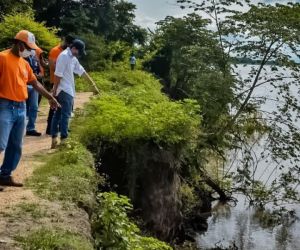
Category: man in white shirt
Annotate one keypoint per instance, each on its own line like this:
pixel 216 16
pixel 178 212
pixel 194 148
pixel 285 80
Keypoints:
pixel 64 87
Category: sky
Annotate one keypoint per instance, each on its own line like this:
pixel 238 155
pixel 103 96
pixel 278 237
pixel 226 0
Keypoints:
pixel 150 11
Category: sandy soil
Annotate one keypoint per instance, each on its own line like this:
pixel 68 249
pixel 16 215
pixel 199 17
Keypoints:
pixel 10 197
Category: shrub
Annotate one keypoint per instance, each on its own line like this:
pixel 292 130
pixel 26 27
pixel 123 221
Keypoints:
pixel 114 230
pixel 12 24
pixel 132 107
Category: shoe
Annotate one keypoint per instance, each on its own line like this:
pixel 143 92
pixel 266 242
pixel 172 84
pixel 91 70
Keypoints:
pixel 1 189
pixel 9 181
pixel 33 133
pixel 63 141
pixel 54 143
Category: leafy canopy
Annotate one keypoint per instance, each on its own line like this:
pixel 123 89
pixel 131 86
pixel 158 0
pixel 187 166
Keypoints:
pixel 133 108
pixel 12 24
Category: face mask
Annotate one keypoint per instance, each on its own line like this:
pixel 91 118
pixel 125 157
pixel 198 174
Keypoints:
pixel 26 53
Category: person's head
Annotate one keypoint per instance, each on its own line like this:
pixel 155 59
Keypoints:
pixel 67 41
pixel 24 43
pixel 78 48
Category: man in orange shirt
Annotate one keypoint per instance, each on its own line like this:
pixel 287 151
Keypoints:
pixel 53 55
pixel 15 74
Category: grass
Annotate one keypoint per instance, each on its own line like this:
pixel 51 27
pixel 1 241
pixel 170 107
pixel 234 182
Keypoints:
pixel 49 239
pixel 32 209
pixel 67 175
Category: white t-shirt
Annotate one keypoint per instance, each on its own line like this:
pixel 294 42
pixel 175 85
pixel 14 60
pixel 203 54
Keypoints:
pixel 66 66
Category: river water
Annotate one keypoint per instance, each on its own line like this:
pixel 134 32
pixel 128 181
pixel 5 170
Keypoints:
pixel 237 226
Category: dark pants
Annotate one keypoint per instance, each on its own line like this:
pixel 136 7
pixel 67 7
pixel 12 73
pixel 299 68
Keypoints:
pixel 31 108
pixel 49 86
pixel 49 121
pixel 61 117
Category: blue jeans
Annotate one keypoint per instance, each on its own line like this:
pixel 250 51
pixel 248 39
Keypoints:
pixel 62 115
pixel 12 126
pixel 32 108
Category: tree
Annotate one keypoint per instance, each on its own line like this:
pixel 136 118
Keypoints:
pixel 188 59
pixel 111 19
pixel 265 33
pixel 9 7
pixel 12 24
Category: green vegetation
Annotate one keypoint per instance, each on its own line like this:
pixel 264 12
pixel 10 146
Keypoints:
pixel 187 56
pixel 12 24
pixel 113 229
pixel 68 175
pixel 112 19
pixel 32 209
pixel 167 136
pixel 132 108
pixel 49 239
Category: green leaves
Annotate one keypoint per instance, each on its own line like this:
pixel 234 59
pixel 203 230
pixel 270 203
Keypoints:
pixel 111 19
pixel 12 24
pixel 133 108
pixel 115 231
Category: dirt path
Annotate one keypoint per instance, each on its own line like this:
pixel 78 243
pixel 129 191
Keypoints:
pixel 32 146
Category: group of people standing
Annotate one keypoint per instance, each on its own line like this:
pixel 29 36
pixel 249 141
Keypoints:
pixel 21 70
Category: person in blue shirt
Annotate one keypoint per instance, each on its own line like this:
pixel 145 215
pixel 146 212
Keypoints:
pixel 132 61
pixel 32 102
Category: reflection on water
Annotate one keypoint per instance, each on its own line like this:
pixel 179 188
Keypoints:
pixel 239 228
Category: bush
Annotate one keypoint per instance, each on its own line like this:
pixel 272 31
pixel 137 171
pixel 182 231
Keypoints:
pixel 132 107
pixel 113 229
pixel 12 24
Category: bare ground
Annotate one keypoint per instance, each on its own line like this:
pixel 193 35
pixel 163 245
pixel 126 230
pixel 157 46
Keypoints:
pixel 11 223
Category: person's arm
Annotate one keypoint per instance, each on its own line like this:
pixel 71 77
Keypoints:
pixel 55 85
pixel 81 72
pixel 60 67
pixel 91 81
pixel 39 88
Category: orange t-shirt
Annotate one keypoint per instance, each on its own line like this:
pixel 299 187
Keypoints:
pixel 15 73
pixel 53 55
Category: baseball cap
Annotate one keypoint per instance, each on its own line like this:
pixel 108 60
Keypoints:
pixel 80 45
pixel 27 37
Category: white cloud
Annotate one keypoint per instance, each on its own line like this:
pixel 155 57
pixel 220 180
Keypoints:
pixel 151 11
